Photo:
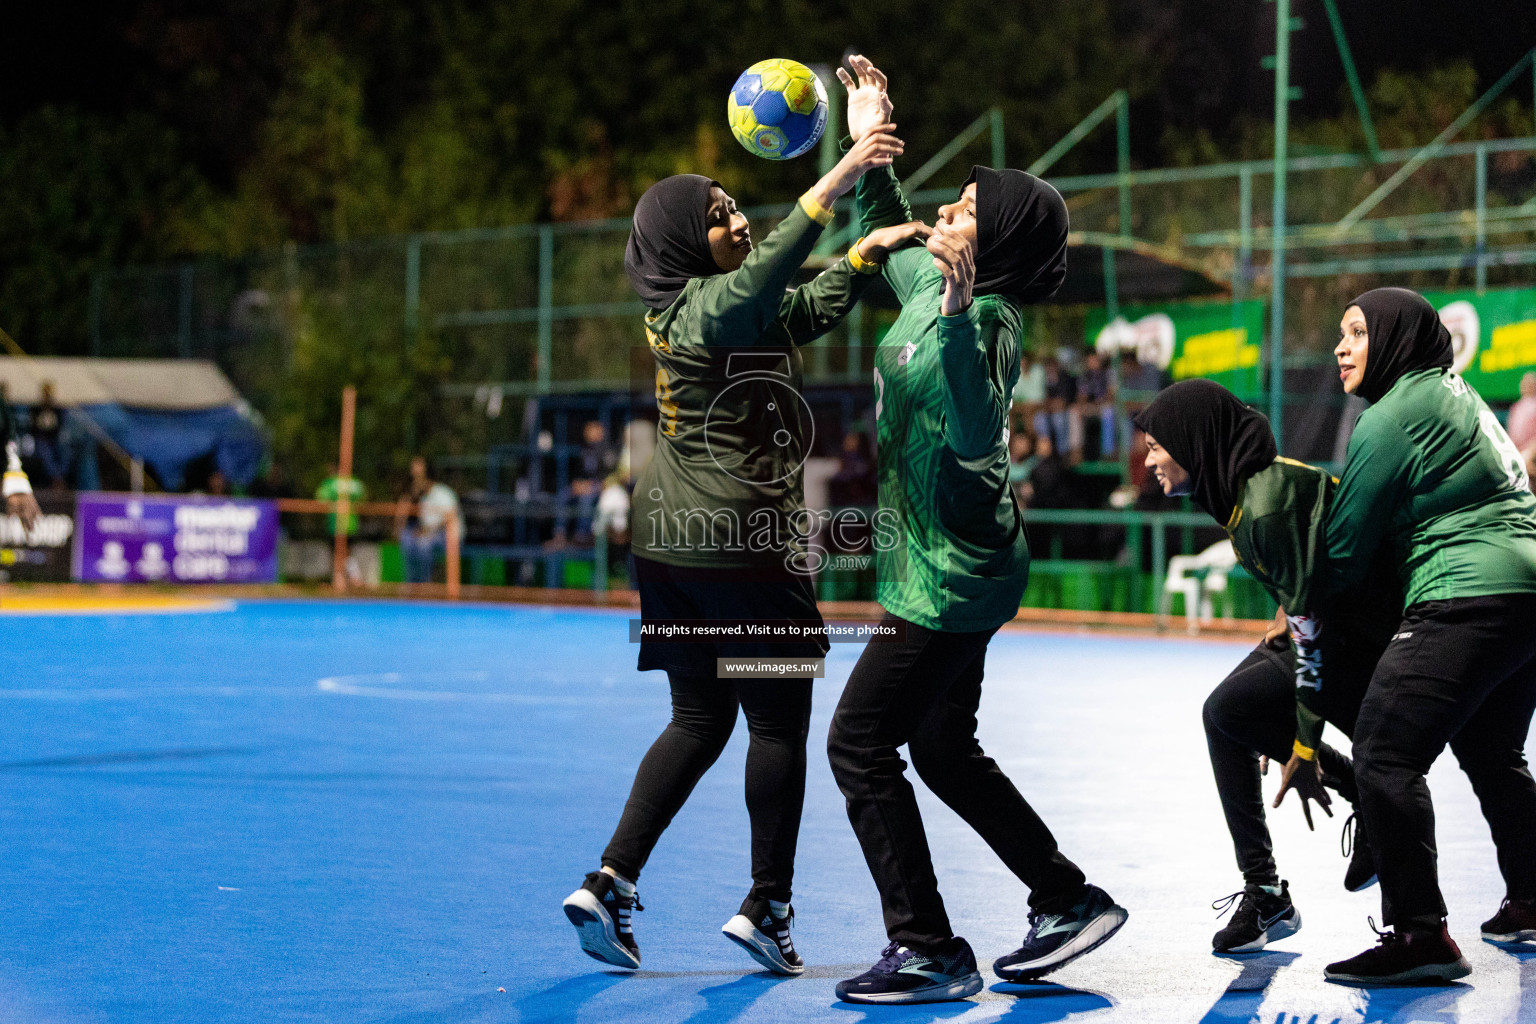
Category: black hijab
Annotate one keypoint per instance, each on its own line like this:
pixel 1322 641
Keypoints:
pixel 1405 334
pixel 1021 235
pixel 1218 440
pixel 669 242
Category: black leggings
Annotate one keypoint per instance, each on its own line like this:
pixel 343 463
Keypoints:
pixel 703 716
pixel 923 691
pixel 1462 673
pixel 1253 712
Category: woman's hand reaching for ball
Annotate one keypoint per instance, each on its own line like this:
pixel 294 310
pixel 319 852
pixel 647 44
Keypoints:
pixel 868 103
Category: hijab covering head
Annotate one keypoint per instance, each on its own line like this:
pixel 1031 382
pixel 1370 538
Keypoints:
pixel 1218 440
pixel 669 242
pixel 1405 334
pixel 1021 235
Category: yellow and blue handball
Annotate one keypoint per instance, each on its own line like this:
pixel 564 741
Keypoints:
pixel 777 109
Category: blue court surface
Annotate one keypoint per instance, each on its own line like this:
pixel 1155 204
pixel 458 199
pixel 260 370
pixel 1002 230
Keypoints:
pixel 289 811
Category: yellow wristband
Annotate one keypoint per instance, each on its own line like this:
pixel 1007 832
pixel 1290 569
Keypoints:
pixel 859 263
pixel 1304 752
pixel 814 210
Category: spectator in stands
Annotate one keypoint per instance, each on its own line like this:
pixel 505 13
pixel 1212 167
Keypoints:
pixel 423 531
pixel 332 488
pixel 853 485
pixel 1029 392
pixel 1137 376
pixel 46 428
pixel 596 461
pixel 1522 415
pixel 612 517
pixel 1059 419
pixel 1021 463
pixel 1095 399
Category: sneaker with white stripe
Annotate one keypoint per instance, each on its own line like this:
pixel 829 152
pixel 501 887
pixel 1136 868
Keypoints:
pixel 764 936
pixel 1055 940
pixel 602 919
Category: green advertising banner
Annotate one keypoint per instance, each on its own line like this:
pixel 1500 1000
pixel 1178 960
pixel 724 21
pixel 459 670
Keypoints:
pixel 1219 340
pixel 1493 336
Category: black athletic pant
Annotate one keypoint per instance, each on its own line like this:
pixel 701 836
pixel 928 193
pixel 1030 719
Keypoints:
pixel 1459 672
pixel 778 716
pixel 1253 712
pixel 923 691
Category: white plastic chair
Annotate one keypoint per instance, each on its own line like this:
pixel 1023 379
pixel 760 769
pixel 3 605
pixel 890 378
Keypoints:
pixel 1198 578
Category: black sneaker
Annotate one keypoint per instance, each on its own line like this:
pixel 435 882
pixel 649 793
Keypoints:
pixel 1425 957
pixel 1261 918
pixel 1356 845
pixel 765 937
pixel 601 917
pixel 1515 922
pixel 1055 940
pixel 903 975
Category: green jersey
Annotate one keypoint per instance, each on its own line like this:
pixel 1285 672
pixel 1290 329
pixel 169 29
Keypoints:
pixel 1277 531
pixel 957 559
pixel 724 488
pixel 1431 472
pixel 331 489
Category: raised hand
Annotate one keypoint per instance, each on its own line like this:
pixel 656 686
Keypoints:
pixel 881 242
pixel 868 103
pixel 955 257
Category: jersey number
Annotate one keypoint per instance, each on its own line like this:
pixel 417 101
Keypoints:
pixel 664 403
pixel 1510 458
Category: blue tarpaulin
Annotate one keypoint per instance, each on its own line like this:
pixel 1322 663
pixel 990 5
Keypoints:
pixel 168 441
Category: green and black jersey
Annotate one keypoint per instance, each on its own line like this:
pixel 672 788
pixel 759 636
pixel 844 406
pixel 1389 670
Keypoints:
pixel 1278 529
pixel 724 488
pixel 943 387
pixel 1431 473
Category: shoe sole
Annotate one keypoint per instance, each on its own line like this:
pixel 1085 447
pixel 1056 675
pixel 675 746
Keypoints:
pixel 760 947
pixel 960 988
pixel 594 927
pixel 1429 974
pixel 1281 929
pixel 1093 935
pixel 1512 938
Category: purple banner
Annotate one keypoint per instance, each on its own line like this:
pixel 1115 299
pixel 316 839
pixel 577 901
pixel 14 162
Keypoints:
pixel 162 538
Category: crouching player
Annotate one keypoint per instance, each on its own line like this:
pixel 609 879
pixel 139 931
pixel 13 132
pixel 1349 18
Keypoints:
pixel 1203 442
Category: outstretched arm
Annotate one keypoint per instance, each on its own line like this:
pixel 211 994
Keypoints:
pixel 818 305
pixel 740 305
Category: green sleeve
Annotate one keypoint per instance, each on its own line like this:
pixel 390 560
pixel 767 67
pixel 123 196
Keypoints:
pixel 817 306
pixel 880 204
pixel 736 308
pixel 1377 470
pixel 973 349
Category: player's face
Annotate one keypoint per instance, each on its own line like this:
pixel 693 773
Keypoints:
pixel 959 217
pixel 730 236
pixel 1352 349
pixel 1173 477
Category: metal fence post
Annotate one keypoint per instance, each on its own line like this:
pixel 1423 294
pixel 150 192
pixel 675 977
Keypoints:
pixel 1159 567
pixel 1482 219
pixel 546 305
pixel 1283 27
